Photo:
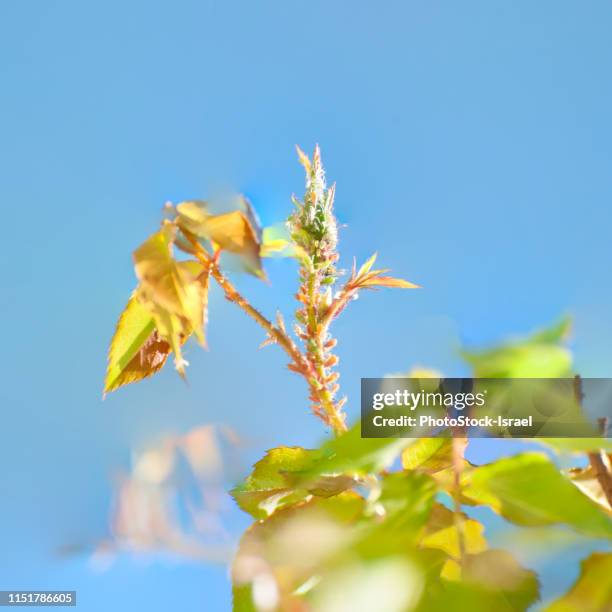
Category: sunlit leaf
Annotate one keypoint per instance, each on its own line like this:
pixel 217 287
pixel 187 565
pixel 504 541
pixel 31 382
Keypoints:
pixel 234 232
pixel 171 285
pixel 404 506
pixel 351 454
pixel 237 232
pixel 586 480
pixel 135 352
pixel 441 532
pixel 175 293
pixel 529 490
pixel 192 216
pixel 242 598
pixel 592 592
pixel 538 356
pixel 367 266
pixel 272 484
pixel 387 281
pixel 284 551
pixel 172 328
pixel 499 572
pixel 428 454
pixel 390 584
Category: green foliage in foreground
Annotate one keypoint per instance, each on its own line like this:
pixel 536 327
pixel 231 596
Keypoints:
pixel 359 524
pixel 337 528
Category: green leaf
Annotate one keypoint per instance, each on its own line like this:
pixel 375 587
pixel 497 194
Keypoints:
pixel 295 543
pixel 527 489
pixel 429 455
pixel 276 242
pixel 592 592
pixel 242 598
pixel 356 456
pixel 499 572
pixel 272 484
pixel 402 508
pixel 491 581
pixel 133 354
pixel 538 356
pixel 390 584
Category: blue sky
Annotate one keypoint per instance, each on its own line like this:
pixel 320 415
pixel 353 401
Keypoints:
pixel 471 146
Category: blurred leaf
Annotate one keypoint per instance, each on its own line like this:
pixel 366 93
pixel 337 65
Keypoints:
pixel 234 232
pixel 276 242
pixel 237 232
pixel 577 445
pixel 492 581
pixel 192 216
pixel 271 484
pixel 449 595
pixel 351 454
pixel 441 532
pixel 242 599
pixel 136 351
pixel 529 490
pixel 555 334
pixel 390 584
pixel 592 592
pixel 586 480
pixel 429 455
pixel 407 500
pixel 287 549
pixel 499 572
pixel 538 356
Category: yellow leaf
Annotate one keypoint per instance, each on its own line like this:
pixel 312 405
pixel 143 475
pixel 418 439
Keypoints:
pixel 429 455
pixel 237 232
pixel 234 232
pixel 192 216
pixel 173 329
pixel 441 533
pixel 592 589
pixel 173 292
pixel 132 354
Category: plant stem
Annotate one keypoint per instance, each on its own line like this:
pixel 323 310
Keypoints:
pixel 318 343
pixel 232 294
pixel 312 370
pixel 602 474
pixel 458 451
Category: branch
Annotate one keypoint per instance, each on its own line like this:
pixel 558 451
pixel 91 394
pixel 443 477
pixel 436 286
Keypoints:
pixel 299 363
pixel 604 477
pixel 232 294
